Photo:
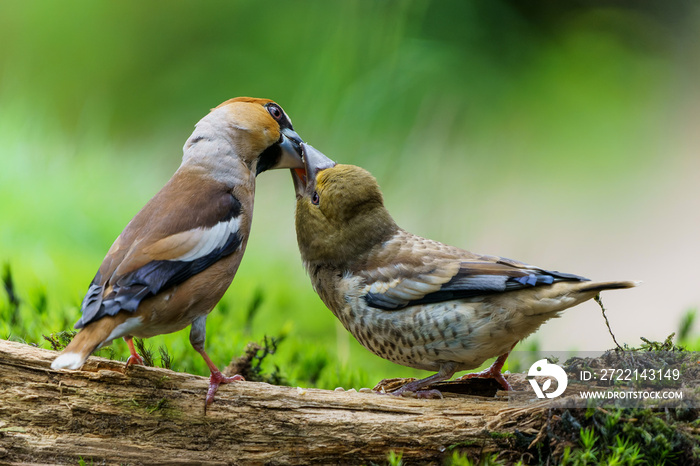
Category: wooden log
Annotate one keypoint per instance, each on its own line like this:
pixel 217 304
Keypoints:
pixel 156 416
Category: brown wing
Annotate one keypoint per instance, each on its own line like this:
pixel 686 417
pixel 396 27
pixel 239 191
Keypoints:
pixel 419 271
pixel 184 229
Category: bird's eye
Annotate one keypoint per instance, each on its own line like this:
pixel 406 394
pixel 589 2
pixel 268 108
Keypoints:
pixel 315 199
pixel 275 111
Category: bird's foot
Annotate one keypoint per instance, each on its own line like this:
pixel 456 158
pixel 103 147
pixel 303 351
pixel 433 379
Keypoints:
pixel 493 372
pixel 490 373
pixel 134 359
pixel 216 379
pixel 425 394
pixel 414 390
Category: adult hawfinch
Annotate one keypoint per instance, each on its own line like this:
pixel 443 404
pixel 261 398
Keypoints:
pixel 176 258
pixel 411 300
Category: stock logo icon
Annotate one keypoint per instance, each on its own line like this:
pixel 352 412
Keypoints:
pixel 543 368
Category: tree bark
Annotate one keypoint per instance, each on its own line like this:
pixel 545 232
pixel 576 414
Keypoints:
pixel 156 416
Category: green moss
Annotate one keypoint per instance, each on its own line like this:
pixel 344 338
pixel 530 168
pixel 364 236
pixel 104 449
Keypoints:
pixel 160 383
pixel 161 404
pixel 465 443
pixel 666 345
pixel 151 406
pixel 621 436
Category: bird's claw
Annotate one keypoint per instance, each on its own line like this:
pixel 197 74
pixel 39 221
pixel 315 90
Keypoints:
pixel 413 390
pixel 425 394
pixel 216 379
pixel 489 373
pixel 134 359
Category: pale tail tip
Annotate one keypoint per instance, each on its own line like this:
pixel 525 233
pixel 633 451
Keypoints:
pixel 68 361
pixel 626 284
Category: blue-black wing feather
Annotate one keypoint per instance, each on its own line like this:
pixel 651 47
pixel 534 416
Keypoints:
pixel 128 292
pixel 478 279
pixel 130 289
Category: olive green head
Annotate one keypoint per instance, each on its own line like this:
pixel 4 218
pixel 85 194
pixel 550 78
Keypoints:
pixel 340 216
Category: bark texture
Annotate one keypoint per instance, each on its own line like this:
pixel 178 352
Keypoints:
pixel 156 416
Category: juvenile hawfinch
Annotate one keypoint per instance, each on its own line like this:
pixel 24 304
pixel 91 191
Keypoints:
pixel 176 258
pixel 411 300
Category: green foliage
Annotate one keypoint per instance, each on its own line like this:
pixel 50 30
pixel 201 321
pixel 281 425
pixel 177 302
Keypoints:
pixel 394 459
pixel 249 365
pixel 60 340
pixel 144 351
pixel 10 312
pixel 458 459
pixel 626 452
pixel 588 453
pixel 666 345
pixel 619 435
pixel 624 436
pixel 165 359
pixel 686 326
pixel 253 309
pixel 462 459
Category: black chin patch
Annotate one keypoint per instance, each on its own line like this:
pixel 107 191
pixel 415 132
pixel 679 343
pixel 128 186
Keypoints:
pixel 268 158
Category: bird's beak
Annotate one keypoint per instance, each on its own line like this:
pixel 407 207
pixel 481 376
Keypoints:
pixel 291 150
pixel 314 162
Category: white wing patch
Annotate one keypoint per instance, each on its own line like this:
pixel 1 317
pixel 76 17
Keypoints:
pixel 407 289
pixel 210 239
pixel 381 287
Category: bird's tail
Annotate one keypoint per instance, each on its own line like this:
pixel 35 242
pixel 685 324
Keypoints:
pixel 566 294
pixel 88 340
pixel 602 286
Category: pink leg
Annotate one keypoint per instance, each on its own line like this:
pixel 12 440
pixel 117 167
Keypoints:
pixel 493 372
pixel 197 337
pixel 134 358
pixel 216 379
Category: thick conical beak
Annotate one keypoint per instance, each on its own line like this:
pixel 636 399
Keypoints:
pixel 291 150
pixel 314 162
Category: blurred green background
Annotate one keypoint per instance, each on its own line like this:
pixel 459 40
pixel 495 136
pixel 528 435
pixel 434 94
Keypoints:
pixel 563 134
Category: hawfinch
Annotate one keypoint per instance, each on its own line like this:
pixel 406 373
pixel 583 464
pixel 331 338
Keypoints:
pixel 411 300
pixel 176 258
